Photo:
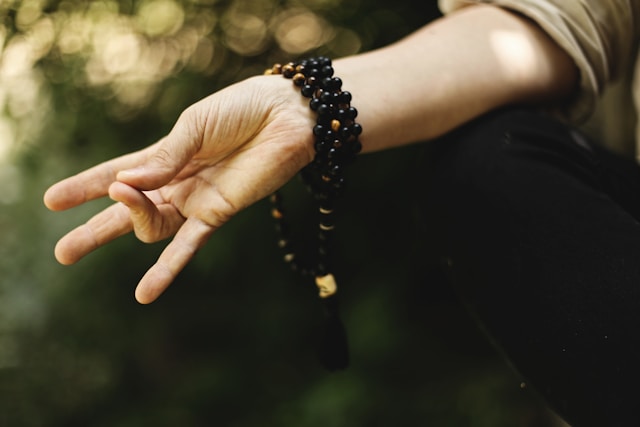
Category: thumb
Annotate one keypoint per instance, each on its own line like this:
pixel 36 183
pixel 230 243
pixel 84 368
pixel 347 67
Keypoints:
pixel 166 158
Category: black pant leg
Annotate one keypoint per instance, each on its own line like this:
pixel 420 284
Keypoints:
pixel 538 233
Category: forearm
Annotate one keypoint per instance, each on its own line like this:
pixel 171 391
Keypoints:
pixel 451 71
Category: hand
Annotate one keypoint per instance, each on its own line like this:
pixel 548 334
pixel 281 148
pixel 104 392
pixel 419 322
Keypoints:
pixel 224 153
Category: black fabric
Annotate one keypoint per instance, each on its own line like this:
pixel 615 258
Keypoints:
pixel 539 231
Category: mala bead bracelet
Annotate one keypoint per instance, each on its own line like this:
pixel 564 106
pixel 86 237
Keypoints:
pixel 336 143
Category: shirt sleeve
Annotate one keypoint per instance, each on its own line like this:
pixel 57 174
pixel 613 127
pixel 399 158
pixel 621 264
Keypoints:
pixel 600 35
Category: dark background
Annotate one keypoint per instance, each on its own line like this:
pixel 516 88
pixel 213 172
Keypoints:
pixel 232 342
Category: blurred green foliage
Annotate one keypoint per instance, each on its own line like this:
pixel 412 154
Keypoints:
pixel 232 342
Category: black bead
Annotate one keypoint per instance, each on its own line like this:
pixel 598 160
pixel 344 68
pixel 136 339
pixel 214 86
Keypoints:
pixel 346 131
pixel 319 158
pixel 314 72
pixel 321 146
pixel 329 135
pixel 322 196
pixel 323 250
pixel 331 84
pixel 325 119
pixel 327 222
pixel 320 130
pixel 282 228
pixel 324 235
pixel 323 108
pixel 356 129
pixel 321 270
pixel 314 104
pixel 357 147
pixel 327 70
pixel 345 97
pixel 325 83
pixel 329 97
pixel 307 91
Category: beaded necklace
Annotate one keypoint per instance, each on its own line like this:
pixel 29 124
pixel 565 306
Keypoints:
pixel 336 145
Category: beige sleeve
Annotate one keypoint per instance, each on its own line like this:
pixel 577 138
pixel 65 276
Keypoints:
pixel 600 35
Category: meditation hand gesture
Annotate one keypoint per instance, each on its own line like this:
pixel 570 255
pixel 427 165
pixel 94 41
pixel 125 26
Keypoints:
pixel 224 153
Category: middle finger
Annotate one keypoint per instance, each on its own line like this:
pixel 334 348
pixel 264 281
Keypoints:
pixel 105 226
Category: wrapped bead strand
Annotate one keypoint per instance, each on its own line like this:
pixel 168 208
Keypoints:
pixel 336 143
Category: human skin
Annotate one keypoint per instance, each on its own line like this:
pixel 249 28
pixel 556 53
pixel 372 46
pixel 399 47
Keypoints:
pixel 245 141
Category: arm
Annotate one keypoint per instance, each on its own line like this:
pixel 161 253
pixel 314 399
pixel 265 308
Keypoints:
pixel 240 144
pixel 451 71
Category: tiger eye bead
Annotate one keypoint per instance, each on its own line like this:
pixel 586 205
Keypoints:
pixel 299 79
pixel 288 70
pixel 275 198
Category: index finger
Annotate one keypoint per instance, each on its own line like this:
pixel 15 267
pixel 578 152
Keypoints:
pixel 90 184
